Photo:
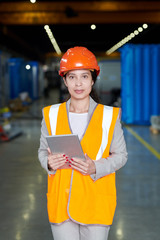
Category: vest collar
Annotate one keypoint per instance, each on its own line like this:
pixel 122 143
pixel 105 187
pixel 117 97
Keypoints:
pixel 92 107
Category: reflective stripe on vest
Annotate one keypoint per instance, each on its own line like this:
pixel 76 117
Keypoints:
pixel 106 123
pixel 71 194
pixel 53 113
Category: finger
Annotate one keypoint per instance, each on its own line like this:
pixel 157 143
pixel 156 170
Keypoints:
pixel 58 156
pixel 79 166
pixel 49 150
pixel 56 161
pixel 53 160
pixel 81 170
pixel 79 163
pixel 57 165
pixel 86 156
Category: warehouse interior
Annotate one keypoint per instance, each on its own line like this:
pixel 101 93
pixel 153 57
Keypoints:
pixel 124 36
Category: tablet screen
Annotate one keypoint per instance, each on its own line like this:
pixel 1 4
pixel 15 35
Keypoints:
pixel 68 144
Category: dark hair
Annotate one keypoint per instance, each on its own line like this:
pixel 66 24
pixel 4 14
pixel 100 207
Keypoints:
pixel 93 92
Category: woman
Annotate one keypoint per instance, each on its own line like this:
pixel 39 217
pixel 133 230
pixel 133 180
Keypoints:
pixel 82 194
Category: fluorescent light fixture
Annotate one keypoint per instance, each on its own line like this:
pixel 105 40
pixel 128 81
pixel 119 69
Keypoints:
pixel 127 39
pixel 32 1
pixel 52 39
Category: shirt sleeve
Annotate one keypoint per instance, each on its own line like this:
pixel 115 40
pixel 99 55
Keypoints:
pixel 42 151
pixel 118 155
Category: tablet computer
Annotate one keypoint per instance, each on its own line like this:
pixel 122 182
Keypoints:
pixel 68 144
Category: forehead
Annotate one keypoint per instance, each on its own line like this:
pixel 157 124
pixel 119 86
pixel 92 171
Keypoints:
pixel 79 72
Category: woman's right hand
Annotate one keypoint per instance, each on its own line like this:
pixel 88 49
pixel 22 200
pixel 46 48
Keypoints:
pixel 55 161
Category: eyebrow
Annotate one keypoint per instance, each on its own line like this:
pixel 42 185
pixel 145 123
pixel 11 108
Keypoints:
pixel 75 73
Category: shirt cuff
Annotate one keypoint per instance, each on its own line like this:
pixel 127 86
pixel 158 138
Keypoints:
pixel 50 172
pixel 100 169
pixel 94 176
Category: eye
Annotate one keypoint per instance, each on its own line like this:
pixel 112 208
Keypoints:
pixel 85 76
pixel 71 77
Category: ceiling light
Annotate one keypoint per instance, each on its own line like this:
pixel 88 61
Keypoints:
pixel 140 29
pixel 28 66
pixel 93 26
pixel 52 39
pixel 32 1
pixel 136 32
pixel 126 39
pixel 132 35
pixel 145 26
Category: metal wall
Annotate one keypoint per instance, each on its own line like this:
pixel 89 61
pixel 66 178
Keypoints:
pixel 109 80
pixel 4 79
pixel 140 79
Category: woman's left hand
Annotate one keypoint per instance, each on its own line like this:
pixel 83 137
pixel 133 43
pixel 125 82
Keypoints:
pixel 85 167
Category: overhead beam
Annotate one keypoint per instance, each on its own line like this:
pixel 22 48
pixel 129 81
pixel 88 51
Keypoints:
pixel 79 6
pixel 24 13
pixel 83 18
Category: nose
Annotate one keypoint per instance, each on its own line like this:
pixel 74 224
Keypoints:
pixel 78 81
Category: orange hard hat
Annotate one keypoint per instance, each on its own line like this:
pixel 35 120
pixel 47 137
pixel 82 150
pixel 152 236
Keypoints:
pixel 78 58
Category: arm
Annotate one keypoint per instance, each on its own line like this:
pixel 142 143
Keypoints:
pixel 50 162
pixel 117 157
pixel 42 151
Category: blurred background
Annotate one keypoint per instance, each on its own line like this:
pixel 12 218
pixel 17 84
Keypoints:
pixel 125 37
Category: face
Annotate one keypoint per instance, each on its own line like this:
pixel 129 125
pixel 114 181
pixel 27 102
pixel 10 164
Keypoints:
pixel 79 83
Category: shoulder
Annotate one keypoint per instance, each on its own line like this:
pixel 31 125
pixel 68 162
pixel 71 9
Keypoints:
pixel 48 108
pixel 110 108
pixel 113 112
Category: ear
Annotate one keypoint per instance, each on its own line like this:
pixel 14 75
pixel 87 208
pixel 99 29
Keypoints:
pixel 92 82
pixel 65 82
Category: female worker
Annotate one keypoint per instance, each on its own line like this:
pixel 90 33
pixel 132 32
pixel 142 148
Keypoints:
pixel 82 194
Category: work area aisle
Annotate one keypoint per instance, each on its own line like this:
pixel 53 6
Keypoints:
pixel 23 209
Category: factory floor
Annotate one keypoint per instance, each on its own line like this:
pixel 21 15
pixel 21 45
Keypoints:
pixel 23 183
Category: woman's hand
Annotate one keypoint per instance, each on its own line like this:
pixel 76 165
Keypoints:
pixel 85 167
pixel 55 161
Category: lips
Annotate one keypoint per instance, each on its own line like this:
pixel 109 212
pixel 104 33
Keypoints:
pixel 78 91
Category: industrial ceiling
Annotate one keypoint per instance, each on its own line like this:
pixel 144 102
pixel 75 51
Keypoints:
pixel 22 25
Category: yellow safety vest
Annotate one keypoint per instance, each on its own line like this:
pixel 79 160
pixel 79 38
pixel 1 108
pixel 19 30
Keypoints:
pixel 72 195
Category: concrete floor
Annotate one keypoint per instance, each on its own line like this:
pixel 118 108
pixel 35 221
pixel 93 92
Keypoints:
pixel 23 214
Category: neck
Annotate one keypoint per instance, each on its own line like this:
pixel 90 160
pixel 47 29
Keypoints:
pixel 79 106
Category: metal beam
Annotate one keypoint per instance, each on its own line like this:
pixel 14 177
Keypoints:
pixel 79 6
pixel 82 18
pixel 22 13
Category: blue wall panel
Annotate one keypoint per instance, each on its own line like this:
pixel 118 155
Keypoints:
pixel 35 78
pixel 140 78
pixel 23 80
pixel 15 77
pixel 32 78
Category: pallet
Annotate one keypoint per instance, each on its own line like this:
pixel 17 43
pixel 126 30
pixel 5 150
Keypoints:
pixel 154 130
